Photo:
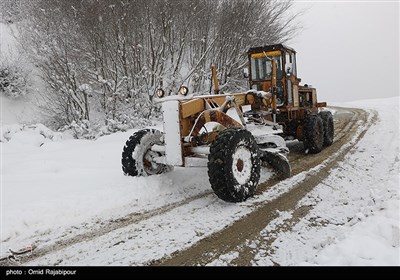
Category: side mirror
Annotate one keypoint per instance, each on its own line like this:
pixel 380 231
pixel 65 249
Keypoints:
pixel 288 71
pixel 245 73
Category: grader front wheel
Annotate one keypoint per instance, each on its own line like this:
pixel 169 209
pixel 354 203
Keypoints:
pixel 137 156
pixel 234 165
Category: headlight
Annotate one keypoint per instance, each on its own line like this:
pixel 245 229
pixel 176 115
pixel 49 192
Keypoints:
pixel 183 90
pixel 160 93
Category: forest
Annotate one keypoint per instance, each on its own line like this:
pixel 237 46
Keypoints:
pixel 101 61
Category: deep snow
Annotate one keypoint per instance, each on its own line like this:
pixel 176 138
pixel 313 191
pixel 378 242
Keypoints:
pixel 53 186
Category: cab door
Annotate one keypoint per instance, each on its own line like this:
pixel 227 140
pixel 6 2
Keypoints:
pixel 291 80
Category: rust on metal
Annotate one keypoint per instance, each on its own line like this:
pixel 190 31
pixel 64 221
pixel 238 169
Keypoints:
pixel 214 116
pixel 215 79
pixel 206 138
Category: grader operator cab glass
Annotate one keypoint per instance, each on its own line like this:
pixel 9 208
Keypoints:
pixel 290 65
pixel 261 72
pixel 261 66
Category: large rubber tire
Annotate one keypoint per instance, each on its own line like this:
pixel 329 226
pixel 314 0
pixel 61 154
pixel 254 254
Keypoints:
pixel 327 119
pixel 234 165
pixel 136 154
pixel 313 134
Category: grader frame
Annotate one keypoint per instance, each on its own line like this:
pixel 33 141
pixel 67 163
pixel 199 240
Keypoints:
pixel 232 134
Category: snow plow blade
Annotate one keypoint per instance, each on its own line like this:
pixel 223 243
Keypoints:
pixel 279 162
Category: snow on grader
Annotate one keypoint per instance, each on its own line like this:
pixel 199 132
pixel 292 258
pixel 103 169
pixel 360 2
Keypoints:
pixel 233 134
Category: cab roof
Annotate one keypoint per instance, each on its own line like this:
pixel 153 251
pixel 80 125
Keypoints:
pixel 269 48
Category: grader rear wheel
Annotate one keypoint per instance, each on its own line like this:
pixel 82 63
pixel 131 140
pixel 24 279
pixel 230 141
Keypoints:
pixel 313 134
pixel 327 119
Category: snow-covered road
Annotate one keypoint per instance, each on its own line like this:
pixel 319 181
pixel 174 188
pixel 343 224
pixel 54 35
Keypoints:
pixel 69 198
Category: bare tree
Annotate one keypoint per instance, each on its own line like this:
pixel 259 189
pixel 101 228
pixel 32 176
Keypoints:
pixel 111 56
pixel 53 44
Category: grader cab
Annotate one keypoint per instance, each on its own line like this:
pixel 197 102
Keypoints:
pixel 232 134
pixel 298 110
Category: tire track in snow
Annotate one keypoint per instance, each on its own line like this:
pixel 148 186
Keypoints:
pixel 231 238
pixel 135 218
pixel 106 227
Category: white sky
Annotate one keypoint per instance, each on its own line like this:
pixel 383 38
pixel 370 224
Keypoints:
pixel 349 50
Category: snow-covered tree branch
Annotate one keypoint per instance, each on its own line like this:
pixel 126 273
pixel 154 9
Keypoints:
pixel 110 57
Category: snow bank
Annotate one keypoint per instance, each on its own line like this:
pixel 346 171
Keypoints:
pixel 354 216
pixel 372 237
pixel 371 241
pixel 32 135
pixel 49 186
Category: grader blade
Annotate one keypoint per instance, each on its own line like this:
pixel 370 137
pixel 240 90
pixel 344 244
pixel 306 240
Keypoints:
pixel 278 161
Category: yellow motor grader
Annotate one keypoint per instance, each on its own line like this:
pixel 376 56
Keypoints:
pixel 233 133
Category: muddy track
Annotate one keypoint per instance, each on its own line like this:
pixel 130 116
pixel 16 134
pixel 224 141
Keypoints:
pixel 104 228
pixel 223 241
pixel 347 121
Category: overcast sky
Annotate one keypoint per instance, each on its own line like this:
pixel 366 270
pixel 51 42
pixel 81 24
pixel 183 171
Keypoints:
pixel 349 50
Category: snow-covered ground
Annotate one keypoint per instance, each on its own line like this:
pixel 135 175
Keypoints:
pixel 52 186
pixel 371 174
pixel 355 219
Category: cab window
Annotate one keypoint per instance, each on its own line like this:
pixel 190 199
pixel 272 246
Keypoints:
pixel 261 68
pixel 290 64
pixel 294 69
